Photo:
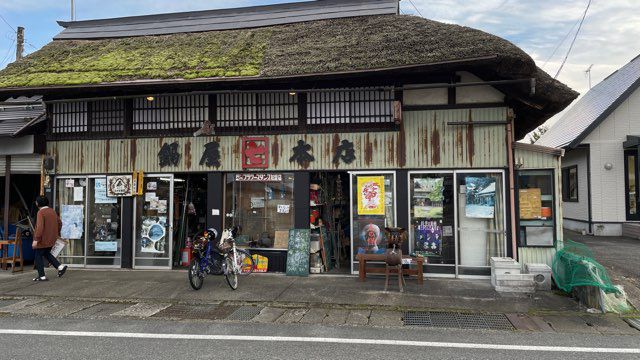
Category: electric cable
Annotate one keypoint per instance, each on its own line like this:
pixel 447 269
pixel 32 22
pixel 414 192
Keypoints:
pixel 15 31
pixel 574 40
pixel 561 42
pixel 6 56
pixel 415 7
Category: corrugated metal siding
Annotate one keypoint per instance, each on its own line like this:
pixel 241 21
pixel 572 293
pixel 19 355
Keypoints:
pixel 2 166
pixel 425 141
pixel 25 164
pixel 536 256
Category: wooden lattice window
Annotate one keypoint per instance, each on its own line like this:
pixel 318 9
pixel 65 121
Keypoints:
pixel 180 112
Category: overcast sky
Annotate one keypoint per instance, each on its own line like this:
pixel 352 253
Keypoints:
pixel 610 36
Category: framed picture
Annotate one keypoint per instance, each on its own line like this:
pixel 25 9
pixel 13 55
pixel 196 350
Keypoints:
pixel 428 237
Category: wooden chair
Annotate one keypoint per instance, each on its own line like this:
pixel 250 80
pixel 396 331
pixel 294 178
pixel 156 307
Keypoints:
pixel 393 263
pixel 17 249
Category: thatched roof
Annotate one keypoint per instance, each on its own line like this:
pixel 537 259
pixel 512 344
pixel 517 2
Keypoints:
pixel 314 47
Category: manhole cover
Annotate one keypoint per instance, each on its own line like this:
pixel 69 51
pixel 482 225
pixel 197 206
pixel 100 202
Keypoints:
pixel 245 313
pixel 457 320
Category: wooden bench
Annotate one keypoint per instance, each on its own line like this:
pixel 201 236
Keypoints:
pixel 363 269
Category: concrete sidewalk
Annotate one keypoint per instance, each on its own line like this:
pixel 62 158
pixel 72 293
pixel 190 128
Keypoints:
pixel 267 298
pixel 173 286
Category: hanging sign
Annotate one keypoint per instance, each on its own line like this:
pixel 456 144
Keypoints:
pixel 371 195
pixel 120 185
pixel 259 177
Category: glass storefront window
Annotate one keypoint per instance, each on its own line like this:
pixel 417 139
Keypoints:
pixel 104 240
pixel 373 209
pixel 432 217
pixel 536 208
pixel 70 205
pixel 153 223
pixel 481 221
pixel 261 206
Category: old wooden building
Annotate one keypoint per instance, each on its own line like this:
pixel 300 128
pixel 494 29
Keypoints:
pixel 344 114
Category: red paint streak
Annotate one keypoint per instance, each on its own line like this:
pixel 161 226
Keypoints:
pixel 275 151
pixel 435 145
pixel 334 147
pixel 402 147
pixel 368 150
pixel 134 152
pixel 187 154
pixel 470 140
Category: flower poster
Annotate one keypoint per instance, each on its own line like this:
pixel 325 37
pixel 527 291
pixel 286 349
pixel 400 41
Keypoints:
pixel 371 195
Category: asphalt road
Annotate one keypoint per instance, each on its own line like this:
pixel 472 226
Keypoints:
pixel 30 338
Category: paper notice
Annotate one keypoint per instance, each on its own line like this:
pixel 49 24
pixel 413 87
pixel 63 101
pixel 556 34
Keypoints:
pixel 78 193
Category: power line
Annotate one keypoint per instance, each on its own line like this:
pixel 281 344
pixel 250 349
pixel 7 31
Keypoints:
pixel 561 42
pixel 415 7
pixel 15 31
pixel 574 40
pixel 6 56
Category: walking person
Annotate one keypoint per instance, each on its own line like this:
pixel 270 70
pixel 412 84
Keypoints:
pixel 47 231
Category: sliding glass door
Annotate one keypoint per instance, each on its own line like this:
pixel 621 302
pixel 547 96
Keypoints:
pixel 631 184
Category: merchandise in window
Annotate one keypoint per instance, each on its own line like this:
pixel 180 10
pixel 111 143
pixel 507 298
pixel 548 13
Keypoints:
pixel 261 206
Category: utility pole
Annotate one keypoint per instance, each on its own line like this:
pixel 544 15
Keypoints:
pixel 73 15
pixel 588 74
pixel 19 43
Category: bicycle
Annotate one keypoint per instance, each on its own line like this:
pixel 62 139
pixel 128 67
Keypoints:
pixel 218 258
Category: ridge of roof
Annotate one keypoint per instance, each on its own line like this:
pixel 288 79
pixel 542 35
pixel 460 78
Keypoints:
pixel 594 107
pixel 224 19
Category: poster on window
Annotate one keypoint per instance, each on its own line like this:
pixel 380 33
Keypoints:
pixel 428 194
pixel 371 237
pixel 428 235
pixel 371 197
pixel 530 204
pixel 481 197
pixel 100 193
pixel 153 235
pixel 72 218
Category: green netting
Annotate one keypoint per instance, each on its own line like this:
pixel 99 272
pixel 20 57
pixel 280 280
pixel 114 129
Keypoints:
pixel 574 265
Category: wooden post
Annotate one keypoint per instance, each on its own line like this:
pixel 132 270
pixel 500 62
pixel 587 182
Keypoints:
pixel 7 192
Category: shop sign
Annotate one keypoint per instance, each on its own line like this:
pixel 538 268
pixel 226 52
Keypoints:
pixel 255 152
pixel 259 177
pixel 211 154
pixel 169 155
pixel 344 152
pixel 120 185
pixel 302 155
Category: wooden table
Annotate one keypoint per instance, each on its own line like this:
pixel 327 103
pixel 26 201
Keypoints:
pixel 363 269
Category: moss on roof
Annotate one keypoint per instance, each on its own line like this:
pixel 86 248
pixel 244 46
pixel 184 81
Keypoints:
pixel 179 56
pixel 347 44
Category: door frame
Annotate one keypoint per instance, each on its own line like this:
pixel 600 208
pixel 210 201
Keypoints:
pixel 395 201
pixel 455 220
pixel 504 218
pixel 170 227
pixel 627 209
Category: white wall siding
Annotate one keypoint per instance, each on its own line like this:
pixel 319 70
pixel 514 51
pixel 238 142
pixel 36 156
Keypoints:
pixel 577 210
pixel 607 186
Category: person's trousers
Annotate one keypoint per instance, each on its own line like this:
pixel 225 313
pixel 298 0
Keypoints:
pixel 40 255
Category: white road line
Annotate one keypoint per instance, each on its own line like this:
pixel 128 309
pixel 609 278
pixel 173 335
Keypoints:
pixel 321 340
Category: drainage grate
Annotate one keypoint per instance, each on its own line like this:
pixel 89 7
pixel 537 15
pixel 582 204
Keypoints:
pixel 457 320
pixel 245 313
pixel 197 312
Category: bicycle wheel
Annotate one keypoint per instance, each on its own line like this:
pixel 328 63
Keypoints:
pixel 242 257
pixel 195 275
pixel 230 273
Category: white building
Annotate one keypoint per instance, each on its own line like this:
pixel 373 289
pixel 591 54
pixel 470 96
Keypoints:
pixel 601 136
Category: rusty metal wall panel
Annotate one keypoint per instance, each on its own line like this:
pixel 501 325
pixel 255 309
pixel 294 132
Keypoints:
pixel 425 141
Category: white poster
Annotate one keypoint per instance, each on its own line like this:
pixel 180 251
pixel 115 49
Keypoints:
pixel 69 183
pixel 283 209
pixel 78 193
pixel 72 217
pixel 100 193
